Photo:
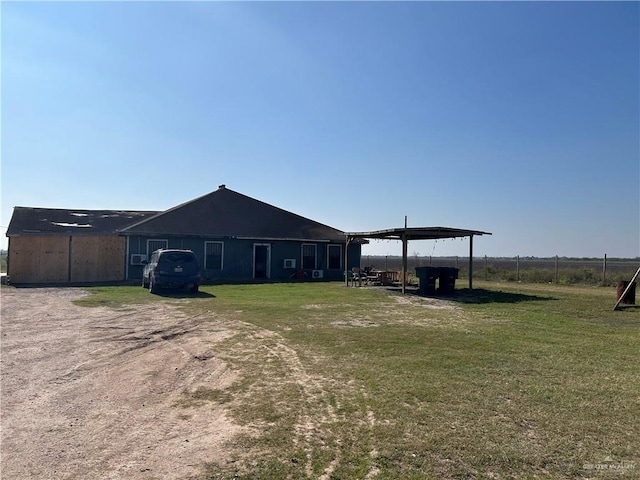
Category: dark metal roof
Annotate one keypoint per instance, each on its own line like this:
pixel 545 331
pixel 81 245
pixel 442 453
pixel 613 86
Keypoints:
pixel 226 213
pixel 416 233
pixel 57 221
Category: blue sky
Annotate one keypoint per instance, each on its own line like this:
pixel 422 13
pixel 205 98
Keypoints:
pixel 517 118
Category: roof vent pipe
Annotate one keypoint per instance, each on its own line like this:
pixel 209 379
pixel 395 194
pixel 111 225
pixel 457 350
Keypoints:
pixel 222 186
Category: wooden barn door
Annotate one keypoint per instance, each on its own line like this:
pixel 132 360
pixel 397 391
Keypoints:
pixel 39 259
pixel 97 258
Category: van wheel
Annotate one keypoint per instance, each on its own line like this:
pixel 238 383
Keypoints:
pixel 152 286
pixel 194 289
pixel 144 284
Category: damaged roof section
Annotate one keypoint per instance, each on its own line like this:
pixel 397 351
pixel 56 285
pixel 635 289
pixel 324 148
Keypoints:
pixel 56 221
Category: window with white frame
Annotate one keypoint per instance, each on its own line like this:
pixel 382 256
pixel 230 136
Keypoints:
pixel 213 255
pixel 334 257
pixel 155 244
pixel 309 253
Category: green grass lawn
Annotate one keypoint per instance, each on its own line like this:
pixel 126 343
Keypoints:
pixel 510 381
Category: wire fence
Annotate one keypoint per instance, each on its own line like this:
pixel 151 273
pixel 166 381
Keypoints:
pixel 561 270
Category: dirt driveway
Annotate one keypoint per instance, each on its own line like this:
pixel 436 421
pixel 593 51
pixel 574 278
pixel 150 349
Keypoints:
pixel 92 393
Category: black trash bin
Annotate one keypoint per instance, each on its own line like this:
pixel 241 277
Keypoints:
pixel 427 276
pixel 447 279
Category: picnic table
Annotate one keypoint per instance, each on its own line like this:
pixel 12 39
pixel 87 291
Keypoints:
pixel 382 277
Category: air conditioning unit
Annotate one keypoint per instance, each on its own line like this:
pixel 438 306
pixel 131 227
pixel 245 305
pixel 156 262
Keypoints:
pixel 317 273
pixel 138 258
pixel 289 263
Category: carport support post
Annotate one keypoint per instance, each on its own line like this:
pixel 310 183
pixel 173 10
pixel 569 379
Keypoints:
pixel 404 263
pixel 471 262
pixel 346 262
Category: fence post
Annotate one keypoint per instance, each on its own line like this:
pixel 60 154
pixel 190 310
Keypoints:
pixel 604 270
pixel 556 268
pixel 518 268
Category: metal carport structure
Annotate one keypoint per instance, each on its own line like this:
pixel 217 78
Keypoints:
pixel 416 233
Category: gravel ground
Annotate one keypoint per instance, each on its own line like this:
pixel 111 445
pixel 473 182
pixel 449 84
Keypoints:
pixel 94 393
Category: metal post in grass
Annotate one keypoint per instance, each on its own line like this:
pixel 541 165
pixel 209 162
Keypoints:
pixel 486 269
pixel 604 270
pixel 556 268
pixel 404 260
pixel 471 262
pixel 518 268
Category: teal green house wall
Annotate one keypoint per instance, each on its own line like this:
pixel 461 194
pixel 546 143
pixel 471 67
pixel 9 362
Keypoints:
pixel 239 239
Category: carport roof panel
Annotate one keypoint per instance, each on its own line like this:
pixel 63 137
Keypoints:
pixel 417 233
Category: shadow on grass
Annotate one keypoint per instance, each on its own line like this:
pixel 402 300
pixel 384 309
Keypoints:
pixel 625 306
pixel 182 294
pixel 480 295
